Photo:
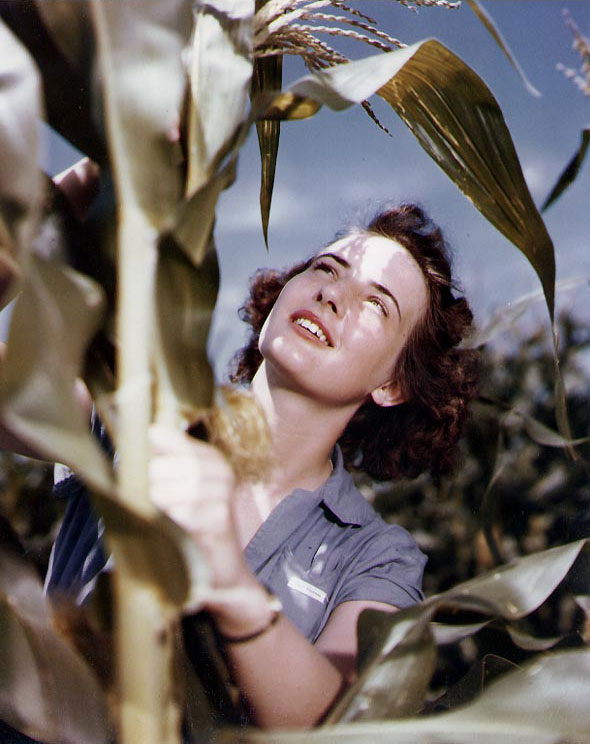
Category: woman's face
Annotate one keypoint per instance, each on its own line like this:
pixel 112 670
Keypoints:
pixel 336 329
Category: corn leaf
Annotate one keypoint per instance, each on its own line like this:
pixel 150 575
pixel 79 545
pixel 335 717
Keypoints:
pixel 457 121
pixel 488 504
pixel 195 216
pixel 156 552
pixel 571 171
pixel 394 652
pixel 490 25
pixel 185 298
pixel 546 436
pixel 505 317
pixel 220 75
pixel 56 314
pixel 395 667
pixel 268 75
pixel 20 181
pixel 140 48
pixel 47 690
pixel 68 24
pixel 446 633
pixel 517 588
pixel 543 702
pixel 63 63
pixel 529 642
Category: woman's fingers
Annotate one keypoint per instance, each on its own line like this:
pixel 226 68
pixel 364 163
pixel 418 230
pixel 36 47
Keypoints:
pixel 191 482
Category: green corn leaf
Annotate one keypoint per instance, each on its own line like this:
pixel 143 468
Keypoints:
pixel 505 317
pixel 529 642
pixel 395 664
pixel 514 590
pixel 571 171
pixel 459 123
pixel 395 653
pixel 268 75
pixel 445 633
pixel 545 436
pixel 494 32
pixel 47 690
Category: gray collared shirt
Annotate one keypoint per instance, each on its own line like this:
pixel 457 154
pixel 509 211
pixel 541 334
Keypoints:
pixel 318 549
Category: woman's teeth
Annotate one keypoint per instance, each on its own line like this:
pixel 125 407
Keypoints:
pixel 313 328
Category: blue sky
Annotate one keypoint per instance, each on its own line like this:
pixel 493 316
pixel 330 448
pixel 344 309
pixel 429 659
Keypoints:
pixel 337 167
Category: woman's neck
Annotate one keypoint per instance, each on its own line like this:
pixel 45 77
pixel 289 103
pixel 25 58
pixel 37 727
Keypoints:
pixel 303 434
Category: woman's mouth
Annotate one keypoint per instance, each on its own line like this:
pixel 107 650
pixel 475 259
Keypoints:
pixel 312 327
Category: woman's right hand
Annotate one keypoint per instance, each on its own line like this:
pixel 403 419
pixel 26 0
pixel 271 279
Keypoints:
pixel 192 482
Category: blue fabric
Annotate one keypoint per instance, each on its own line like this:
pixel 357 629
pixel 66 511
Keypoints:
pixel 78 555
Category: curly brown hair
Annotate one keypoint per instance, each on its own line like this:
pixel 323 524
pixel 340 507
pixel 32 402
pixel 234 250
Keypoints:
pixel 438 379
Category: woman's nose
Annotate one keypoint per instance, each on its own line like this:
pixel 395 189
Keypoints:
pixel 330 296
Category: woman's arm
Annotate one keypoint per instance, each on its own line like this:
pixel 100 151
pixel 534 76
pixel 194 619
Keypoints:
pixel 286 680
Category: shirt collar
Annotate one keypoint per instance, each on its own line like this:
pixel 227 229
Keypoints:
pixel 342 497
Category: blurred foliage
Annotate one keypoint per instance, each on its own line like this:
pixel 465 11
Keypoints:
pixel 540 499
pixel 25 504
pixel 581 79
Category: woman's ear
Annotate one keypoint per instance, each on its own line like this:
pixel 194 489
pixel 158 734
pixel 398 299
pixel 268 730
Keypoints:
pixel 388 395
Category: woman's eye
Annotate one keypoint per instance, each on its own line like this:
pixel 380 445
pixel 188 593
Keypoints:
pixel 323 266
pixel 378 304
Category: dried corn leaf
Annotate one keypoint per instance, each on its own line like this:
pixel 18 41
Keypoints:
pixel 220 72
pixel 195 216
pixel 140 47
pixel 543 702
pixel 157 553
pixel 63 63
pixel 494 32
pixel 20 180
pixel 56 314
pixel 47 690
pixel 185 298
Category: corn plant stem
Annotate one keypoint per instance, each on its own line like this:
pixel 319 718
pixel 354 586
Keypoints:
pixel 148 709
pixel 144 641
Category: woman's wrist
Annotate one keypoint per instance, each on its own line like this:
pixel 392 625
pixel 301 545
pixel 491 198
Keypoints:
pixel 243 613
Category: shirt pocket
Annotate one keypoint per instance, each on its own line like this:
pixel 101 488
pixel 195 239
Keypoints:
pixel 305 592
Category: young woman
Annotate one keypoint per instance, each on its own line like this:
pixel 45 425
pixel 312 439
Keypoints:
pixel 354 360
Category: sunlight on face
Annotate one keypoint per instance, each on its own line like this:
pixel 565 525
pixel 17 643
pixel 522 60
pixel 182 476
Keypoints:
pixel 337 328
